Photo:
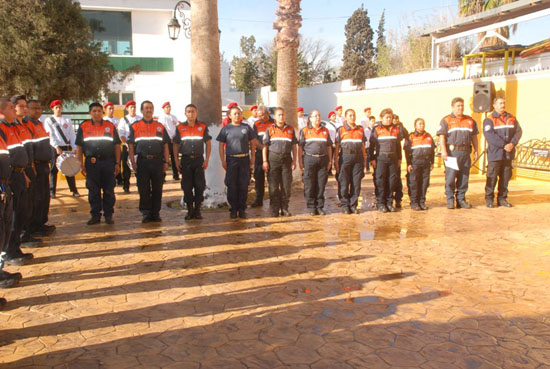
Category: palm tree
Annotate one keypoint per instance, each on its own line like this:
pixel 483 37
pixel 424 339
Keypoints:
pixel 288 24
pixel 206 88
pixel 471 7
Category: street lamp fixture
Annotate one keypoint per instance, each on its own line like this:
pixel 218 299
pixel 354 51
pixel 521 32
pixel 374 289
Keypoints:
pixel 174 26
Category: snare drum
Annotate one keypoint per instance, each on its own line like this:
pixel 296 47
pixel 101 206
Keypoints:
pixel 68 164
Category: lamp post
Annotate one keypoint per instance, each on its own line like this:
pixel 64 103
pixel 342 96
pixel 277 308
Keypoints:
pixel 174 26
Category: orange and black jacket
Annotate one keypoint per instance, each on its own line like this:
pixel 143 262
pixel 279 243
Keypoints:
pixel 192 139
pixel 385 142
pixel 500 131
pixel 25 134
pixel 458 131
pixel 280 140
pixel 419 148
pixel 98 140
pixel 259 129
pixel 5 167
pixel 18 154
pixel 149 138
pixel 351 140
pixel 315 141
pixel 41 140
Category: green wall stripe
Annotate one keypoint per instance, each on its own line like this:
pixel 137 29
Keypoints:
pixel 146 64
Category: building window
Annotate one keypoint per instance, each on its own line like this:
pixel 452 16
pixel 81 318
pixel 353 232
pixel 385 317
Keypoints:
pixel 120 98
pixel 113 30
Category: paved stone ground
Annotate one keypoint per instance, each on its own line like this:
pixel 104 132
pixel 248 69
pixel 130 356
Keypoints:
pixel 438 289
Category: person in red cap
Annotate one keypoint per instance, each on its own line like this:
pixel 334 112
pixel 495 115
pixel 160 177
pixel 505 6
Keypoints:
pixel 339 115
pixel 170 122
pixel 254 115
pixel 123 132
pixel 109 110
pixel 227 120
pixel 62 139
pixel 302 120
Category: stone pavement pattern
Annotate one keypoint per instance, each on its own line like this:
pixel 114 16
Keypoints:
pixel 438 289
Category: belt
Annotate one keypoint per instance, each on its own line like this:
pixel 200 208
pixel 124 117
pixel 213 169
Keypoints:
pixel 239 155
pixel 279 154
pixel 149 156
pixel 317 155
pixel 192 156
pixel 42 161
pixel 19 169
pixel 5 181
pixel 459 147
pixel 348 151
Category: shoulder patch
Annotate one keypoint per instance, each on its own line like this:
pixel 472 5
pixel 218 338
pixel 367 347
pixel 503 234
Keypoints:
pixel 487 128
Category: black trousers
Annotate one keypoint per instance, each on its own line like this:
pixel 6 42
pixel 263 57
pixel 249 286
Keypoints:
pixel 30 199
pixel 259 177
pixel 173 158
pixel 399 186
pixel 20 198
pixel 500 171
pixel 100 181
pixel 457 180
pixel 193 181
pixel 53 173
pixel 315 180
pixel 352 170
pixel 40 197
pixel 6 221
pixel 150 179
pixel 386 177
pixel 237 178
pixel 279 177
pixel 126 172
pixel 419 180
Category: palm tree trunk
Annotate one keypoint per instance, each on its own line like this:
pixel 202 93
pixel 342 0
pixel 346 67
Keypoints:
pixel 206 88
pixel 288 24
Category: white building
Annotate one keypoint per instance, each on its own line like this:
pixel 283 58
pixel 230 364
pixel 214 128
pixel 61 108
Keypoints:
pixel 135 33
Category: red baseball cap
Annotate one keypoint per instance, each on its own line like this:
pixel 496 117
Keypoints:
pixel 55 103
pixel 165 104
pixel 108 104
pixel 131 102
pixel 300 108
pixel 338 107
pixel 331 113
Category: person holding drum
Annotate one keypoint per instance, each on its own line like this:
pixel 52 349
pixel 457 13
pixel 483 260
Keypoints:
pixel 62 139
pixel 97 140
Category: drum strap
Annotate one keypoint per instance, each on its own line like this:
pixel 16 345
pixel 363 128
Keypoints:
pixel 60 131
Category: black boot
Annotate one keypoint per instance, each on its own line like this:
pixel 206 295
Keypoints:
pixel 197 214
pixel 190 211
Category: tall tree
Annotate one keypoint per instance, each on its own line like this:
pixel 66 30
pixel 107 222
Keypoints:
pixel 380 33
pixel 470 7
pixel 288 24
pixel 358 57
pixel 48 52
pixel 246 67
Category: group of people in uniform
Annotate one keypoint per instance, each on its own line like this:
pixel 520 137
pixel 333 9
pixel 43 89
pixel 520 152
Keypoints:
pixel 108 149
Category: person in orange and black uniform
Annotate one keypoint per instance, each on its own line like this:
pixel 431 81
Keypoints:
pixel 350 161
pixel 149 140
pixel 20 103
pixel 97 140
pixel 7 113
pixel 314 155
pixel 419 152
pixel 279 160
pixel 260 127
pixel 190 140
pixel 235 141
pixel 385 155
pixel 503 132
pixel 458 133
pixel 40 195
pixel 19 183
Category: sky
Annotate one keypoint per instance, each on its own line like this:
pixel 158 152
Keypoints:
pixel 326 19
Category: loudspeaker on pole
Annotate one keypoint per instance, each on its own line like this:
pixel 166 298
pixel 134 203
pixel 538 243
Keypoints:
pixel 484 93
